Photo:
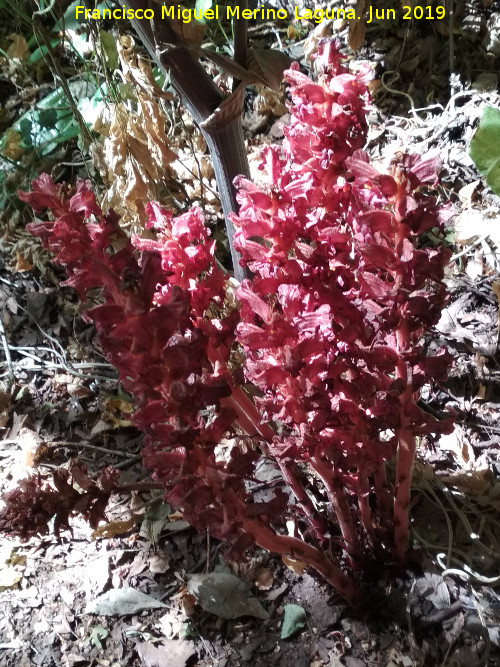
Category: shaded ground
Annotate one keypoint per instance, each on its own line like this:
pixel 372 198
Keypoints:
pixel 445 609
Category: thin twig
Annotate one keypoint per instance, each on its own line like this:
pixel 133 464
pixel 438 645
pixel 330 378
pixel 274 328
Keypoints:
pixel 8 358
pixel 447 519
pixel 48 9
pixel 87 445
pixel 57 73
pixel 240 29
pixel 466 573
pixel 47 365
pixel 394 91
pixel 466 250
pixel 61 355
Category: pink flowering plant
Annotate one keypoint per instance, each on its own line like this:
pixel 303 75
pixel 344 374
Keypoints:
pixel 315 370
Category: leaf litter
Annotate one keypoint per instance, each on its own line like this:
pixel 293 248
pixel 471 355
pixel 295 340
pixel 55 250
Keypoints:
pixel 466 464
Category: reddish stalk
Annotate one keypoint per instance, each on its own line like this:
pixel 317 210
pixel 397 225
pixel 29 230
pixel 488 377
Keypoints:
pixel 291 546
pixel 340 504
pixel 406 458
pixel 406 451
pixel 249 420
pixel 382 492
pixel 365 512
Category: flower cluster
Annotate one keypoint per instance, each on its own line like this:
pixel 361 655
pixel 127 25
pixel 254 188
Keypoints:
pixel 158 325
pixel 152 327
pixel 34 503
pixel 340 298
pixel 329 330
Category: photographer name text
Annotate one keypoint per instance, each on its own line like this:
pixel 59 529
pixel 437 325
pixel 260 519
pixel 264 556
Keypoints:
pixel 317 15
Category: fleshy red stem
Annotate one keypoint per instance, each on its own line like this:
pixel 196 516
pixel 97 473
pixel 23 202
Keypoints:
pixel 406 441
pixel 339 502
pixel 249 420
pixel 406 458
pixel 365 511
pixel 290 546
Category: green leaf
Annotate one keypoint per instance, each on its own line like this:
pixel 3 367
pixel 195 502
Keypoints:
pixel 47 117
pixel 70 20
pixel 51 122
pixel 154 521
pixel 225 595
pixel 203 6
pixel 24 128
pixel 187 630
pixel 42 51
pixel 108 45
pixel 294 619
pixel 159 76
pixel 122 602
pixel 485 148
pixel 96 634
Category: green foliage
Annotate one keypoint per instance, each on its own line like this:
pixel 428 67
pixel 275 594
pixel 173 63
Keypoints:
pixel 294 619
pixel 69 20
pixel 51 122
pixel 485 148
pixel 109 50
pixel 203 5
pixel 42 51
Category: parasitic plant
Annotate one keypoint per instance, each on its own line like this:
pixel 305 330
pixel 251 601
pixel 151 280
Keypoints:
pixel 316 373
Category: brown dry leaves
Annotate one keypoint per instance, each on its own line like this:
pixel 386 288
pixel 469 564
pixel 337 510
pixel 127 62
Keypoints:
pixel 18 47
pixel 357 29
pixel 134 156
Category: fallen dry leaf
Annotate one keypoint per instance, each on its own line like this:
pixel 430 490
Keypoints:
pixel 467 192
pixel 137 70
pixel 357 29
pixel 122 602
pixel 29 442
pixel 264 579
pixel 457 443
pixel 12 144
pixel 22 263
pixel 191 32
pixel 225 595
pixel 433 588
pixel 188 603
pixel 159 564
pixel 179 652
pixel 115 528
pixel 296 566
pixel 18 47
pixel 12 566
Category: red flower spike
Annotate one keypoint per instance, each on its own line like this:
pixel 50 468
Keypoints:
pixel 329 326
pixel 339 272
pixel 154 329
pixel 29 508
